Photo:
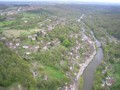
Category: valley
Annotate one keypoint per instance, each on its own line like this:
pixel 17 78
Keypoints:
pixel 59 47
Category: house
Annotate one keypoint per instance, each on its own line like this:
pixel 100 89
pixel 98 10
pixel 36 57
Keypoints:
pixel 35 74
pixel 43 32
pixel 36 47
pixel 35 35
pixel 67 73
pixel 66 88
pixel 103 83
pixel 84 37
pixel 50 28
pixel 71 67
pixel 38 42
pixel 75 74
pixel 109 81
pixel 45 48
pixel 45 77
pixel 55 42
pixel 33 38
pixel 77 57
pixel 48 43
pixel 80 65
pixel 29 36
pixel 17 44
pixel 70 53
pixel 2 38
pixel 27 53
pixel 61 62
pixel 13 47
pixel 78 20
pixel 25 47
pixel 25 21
pixel 76 36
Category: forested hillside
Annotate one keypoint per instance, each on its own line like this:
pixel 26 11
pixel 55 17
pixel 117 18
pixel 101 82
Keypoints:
pixel 13 69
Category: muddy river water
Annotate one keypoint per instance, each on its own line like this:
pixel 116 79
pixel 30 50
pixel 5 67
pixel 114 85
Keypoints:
pixel 88 75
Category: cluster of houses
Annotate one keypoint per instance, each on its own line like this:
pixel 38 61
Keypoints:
pixel 60 21
pixel 88 40
pixel 109 81
pixel 40 44
pixel 16 10
pixel 74 55
pixel 50 44
pixel 17 43
pixel 13 44
pixel 57 21
pixel 52 24
pixel 66 87
pixel 30 48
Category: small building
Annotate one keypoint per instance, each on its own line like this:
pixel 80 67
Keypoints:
pixel 10 43
pixel 37 47
pixel 13 47
pixel 2 38
pixel 75 74
pixel 103 83
pixel 71 67
pixel 27 53
pixel 78 20
pixel 45 48
pixel 17 44
pixel 45 77
pixel 109 81
pixel 25 21
pixel 35 35
pixel 25 47
pixel 33 38
pixel 29 36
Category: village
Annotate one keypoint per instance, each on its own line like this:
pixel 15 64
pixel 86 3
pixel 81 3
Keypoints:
pixel 59 46
pixel 18 9
pixel 33 43
pixel 36 42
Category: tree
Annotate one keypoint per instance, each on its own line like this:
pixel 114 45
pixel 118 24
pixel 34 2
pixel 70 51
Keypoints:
pixel 66 43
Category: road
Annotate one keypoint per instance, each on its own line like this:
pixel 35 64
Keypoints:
pixel 83 67
pixel 88 69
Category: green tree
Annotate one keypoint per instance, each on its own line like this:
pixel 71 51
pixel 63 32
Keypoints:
pixel 66 43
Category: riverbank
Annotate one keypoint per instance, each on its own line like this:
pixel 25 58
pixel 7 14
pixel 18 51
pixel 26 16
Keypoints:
pixel 86 64
pixel 88 74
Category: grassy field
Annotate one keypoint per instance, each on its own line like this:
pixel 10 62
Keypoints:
pixel 54 73
pixel 18 33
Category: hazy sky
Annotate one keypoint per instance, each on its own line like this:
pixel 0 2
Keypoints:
pixel 108 1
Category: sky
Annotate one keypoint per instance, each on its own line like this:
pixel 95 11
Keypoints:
pixel 106 1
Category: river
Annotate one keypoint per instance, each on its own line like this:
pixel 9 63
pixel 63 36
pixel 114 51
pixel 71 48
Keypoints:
pixel 88 74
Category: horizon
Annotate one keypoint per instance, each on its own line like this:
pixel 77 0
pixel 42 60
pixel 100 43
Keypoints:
pixel 67 1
